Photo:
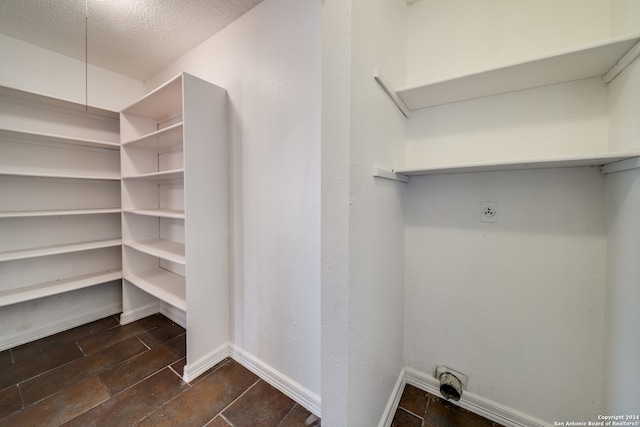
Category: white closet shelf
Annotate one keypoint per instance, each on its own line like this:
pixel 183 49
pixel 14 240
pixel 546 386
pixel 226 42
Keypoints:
pixel 164 103
pixel 60 176
pixel 160 213
pixel 606 58
pixel 162 139
pixel 162 284
pixel 26 136
pixel 600 159
pixel 161 248
pixel 58 249
pixel 158 176
pixel 58 104
pixel 66 212
pixel 14 296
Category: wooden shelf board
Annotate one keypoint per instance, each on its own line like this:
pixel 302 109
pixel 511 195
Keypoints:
pixel 60 176
pixel 14 296
pixel 560 162
pixel 58 249
pixel 165 249
pixel 26 136
pixel 67 212
pixel 158 176
pixel 580 63
pixel 160 140
pixel 162 284
pixel 160 213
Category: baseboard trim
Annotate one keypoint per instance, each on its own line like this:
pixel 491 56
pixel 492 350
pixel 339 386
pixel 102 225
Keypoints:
pixel 472 402
pixel 209 360
pixel 394 400
pixel 63 325
pixel 139 313
pixel 175 314
pixel 286 385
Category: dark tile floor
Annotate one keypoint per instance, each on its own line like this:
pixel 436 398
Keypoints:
pixel 103 374
pixel 418 408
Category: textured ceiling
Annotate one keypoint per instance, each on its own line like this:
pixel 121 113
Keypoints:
pixel 133 37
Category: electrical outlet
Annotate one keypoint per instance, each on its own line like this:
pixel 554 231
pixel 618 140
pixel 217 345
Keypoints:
pixel 488 212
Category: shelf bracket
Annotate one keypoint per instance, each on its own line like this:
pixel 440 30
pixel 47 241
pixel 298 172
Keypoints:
pixel 622 165
pixel 626 60
pixel 386 174
pixel 384 83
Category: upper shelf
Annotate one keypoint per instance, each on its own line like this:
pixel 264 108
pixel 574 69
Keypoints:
pixel 39 137
pixel 162 104
pixel 607 58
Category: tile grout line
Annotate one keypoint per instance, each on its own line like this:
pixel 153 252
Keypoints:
pixel 288 413
pixel 234 401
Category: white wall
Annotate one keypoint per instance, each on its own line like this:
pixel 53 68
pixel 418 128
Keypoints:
pixel 453 37
pixel 622 368
pixel 269 62
pixel 519 305
pixel 376 230
pixel 32 68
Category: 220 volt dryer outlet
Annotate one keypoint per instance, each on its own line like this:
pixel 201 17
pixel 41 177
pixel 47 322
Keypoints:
pixel 489 212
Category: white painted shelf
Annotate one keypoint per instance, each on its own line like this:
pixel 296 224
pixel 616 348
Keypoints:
pixel 64 212
pixel 60 176
pixel 161 248
pixel 600 159
pixel 162 104
pixel 159 213
pixel 14 296
pixel 158 176
pixel 606 58
pixel 162 284
pixel 58 249
pixel 163 139
pixel 39 137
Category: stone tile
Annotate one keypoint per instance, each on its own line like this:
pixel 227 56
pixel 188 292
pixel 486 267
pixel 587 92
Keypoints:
pixel 60 407
pixel 133 404
pixel 56 356
pixel 403 418
pixel 50 382
pixel 9 401
pixel 414 400
pixel 300 417
pixel 210 370
pixel 5 359
pixel 441 413
pixel 139 367
pixel 104 339
pixel 27 351
pixel 161 334
pixel 204 399
pixel 261 406
pixel 179 366
pixel 218 422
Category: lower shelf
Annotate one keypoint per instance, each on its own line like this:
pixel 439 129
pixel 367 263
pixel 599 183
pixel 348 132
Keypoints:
pixel 14 296
pixel 162 284
pixel 60 249
pixel 162 248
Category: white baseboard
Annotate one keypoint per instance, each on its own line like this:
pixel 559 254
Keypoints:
pixel 472 402
pixel 394 400
pixel 286 385
pixel 139 313
pixel 175 314
pixel 209 360
pixel 60 326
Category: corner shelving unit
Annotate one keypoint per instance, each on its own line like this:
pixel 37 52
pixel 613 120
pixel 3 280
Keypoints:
pixel 175 189
pixel 604 59
pixel 60 196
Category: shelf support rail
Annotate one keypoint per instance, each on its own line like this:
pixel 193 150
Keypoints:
pixel 386 174
pixel 384 83
pixel 622 63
